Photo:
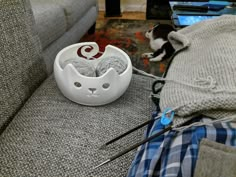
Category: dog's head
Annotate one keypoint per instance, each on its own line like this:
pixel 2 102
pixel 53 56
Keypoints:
pixel 159 31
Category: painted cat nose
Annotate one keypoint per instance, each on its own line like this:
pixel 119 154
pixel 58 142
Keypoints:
pixel 92 89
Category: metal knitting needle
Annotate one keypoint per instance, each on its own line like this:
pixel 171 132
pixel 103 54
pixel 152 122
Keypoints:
pixel 170 127
pixel 132 130
pixel 128 132
pixel 134 146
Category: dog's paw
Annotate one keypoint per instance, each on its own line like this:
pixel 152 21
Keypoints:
pixel 147 55
pixel 158 58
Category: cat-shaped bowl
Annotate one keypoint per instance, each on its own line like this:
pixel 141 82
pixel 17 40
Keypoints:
pixel 91 91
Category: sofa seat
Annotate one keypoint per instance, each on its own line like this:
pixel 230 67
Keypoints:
pixel 50 22
pixel 52 136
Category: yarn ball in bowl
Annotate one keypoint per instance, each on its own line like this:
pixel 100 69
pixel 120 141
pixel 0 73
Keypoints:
pixel 111 62
pixel 82 66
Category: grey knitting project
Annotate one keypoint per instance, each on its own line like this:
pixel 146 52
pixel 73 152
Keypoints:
pixel 209 87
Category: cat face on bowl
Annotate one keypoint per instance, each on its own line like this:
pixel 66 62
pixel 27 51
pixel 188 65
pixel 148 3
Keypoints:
pixel 93 82
pixel 95 90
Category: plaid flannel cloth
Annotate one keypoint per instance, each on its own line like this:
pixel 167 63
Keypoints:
pixel 174 154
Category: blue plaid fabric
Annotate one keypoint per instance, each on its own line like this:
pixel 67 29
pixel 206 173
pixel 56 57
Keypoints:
pixel 174 154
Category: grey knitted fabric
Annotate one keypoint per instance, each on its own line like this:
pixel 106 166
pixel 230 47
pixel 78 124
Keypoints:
pixel 52 136
pixel 21 65
pixel 201 78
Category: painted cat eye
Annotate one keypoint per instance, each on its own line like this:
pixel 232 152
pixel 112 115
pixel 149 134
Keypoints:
pixel 106 85
pixel 77 84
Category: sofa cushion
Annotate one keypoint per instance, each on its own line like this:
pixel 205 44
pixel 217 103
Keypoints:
pixel 52 136
pixel 70 37
pixel 73 9
pixel 21 65
pixel 50 21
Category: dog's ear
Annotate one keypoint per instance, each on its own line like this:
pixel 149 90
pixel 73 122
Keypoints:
pixel 155 26
pixel 166 27
pixel 162 30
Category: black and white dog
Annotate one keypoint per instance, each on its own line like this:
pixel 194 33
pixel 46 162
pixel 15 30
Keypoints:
pixel 159 42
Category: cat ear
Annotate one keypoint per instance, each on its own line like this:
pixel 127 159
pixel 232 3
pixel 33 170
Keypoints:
pixel 156 25
pixel 110 74
pixel 82 66
pixel 70 70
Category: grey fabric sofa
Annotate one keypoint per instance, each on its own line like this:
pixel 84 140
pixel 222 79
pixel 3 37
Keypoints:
pixel 42 133
pixel 60 23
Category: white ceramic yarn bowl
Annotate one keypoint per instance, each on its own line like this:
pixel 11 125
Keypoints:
pixel 68 78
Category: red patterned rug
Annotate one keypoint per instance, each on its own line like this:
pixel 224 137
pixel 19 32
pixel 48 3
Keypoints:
pixel 128 35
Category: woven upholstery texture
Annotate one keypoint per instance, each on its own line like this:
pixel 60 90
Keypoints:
pixel 50 21
pixel 201 78
pixel 70 37
pixel 215 160
pixel 52 136
pixel 74 9
pixel 21 66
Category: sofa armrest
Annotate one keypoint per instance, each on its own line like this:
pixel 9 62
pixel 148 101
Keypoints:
pixel 215 160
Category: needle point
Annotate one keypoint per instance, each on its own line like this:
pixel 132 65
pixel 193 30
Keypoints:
pixel 101 164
